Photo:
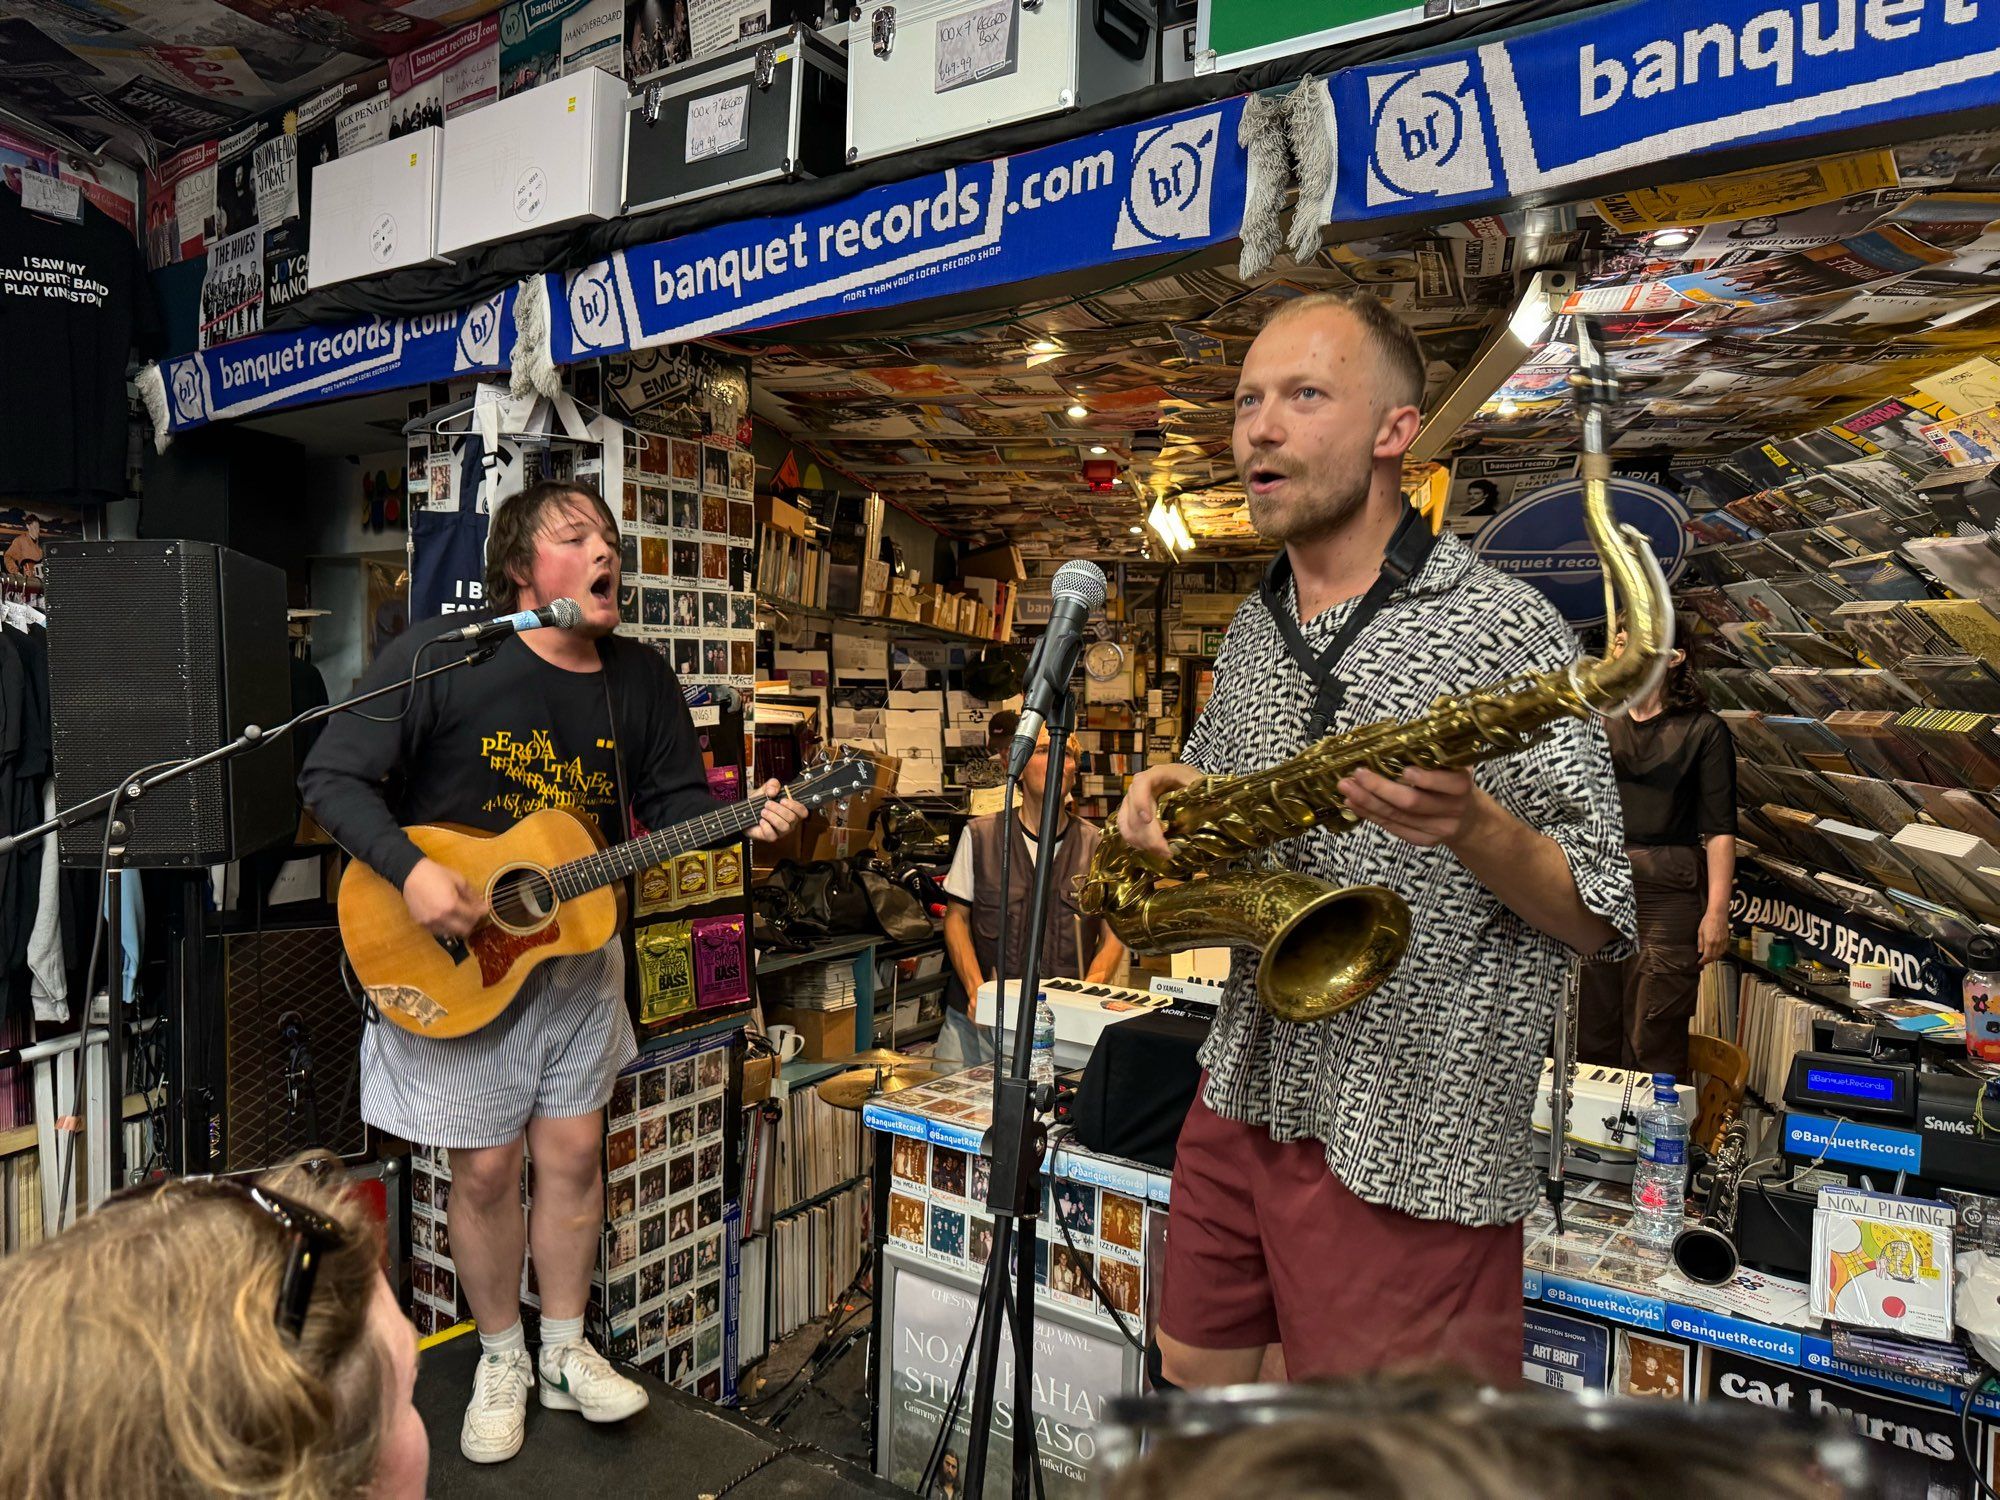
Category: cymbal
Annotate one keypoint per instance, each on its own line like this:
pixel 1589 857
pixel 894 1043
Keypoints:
pixel 882 1057
pixel 853 1089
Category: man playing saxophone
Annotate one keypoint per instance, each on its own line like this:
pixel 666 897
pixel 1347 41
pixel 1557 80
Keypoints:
pixel 1349 1192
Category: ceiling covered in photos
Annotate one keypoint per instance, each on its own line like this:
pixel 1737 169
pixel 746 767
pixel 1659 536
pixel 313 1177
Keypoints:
pixel 1771 302
pixel 141 77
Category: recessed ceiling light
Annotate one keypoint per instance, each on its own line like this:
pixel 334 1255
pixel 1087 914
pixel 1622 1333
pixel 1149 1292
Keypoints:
pixel 1078 412
pixel 1672 239
pixel 1137 530
pixel 1043 346
pixel 1097 448
pixel 1506 409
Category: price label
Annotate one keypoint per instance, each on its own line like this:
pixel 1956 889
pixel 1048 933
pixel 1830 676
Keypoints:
pixel 976 45
pixel 52 196
pixel 719 124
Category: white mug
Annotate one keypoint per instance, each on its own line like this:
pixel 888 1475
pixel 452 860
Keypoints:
pixel 785 1041
pixel 1760 944
pixel 1869 981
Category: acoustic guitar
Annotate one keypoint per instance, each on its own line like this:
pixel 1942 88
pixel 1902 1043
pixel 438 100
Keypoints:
pixel 553 887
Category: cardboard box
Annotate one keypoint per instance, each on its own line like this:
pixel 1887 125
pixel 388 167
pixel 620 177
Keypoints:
pixel 782 515
pixel 376 210
pixel 829 1034
pixel 551 156
pixel 1003 562
pixel 756 1079
pixel 903 607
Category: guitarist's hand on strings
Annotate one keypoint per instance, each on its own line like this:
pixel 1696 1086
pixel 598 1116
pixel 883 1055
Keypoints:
pixel 441 899
pixel 781 814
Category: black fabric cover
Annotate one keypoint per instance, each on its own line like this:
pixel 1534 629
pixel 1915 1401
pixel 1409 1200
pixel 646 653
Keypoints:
pixel 1139 1086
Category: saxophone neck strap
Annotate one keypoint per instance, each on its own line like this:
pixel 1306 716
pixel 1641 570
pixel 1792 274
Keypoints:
pixel 1408 547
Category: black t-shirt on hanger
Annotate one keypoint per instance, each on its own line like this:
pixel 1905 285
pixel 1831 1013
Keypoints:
pixel 74 303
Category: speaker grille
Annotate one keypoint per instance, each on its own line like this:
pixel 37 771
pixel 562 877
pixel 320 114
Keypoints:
pixel 137 655
pixel 266 978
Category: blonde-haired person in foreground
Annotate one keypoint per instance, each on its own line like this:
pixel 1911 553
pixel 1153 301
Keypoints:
pixel 209 1337
pixel 1424 1439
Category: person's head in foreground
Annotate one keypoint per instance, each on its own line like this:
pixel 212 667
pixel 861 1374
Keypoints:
pixel 203 1337
pixel 1423 1439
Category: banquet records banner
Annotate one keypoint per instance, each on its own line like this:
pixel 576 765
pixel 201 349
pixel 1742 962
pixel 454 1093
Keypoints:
pixel 1622 86
pixel 1169 184
pixel 1824 931
pixel 315 364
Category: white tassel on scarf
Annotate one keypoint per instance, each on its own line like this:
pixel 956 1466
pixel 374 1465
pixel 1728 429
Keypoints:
pixel 153 391
pixel 1310 121
pixel 1262 135
pixel 533 364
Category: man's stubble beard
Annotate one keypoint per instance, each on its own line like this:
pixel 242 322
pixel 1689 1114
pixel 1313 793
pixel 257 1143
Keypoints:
pixel 1315 517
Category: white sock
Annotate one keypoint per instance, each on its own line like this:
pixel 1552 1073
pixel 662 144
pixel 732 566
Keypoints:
pixel 508 1340
pixel 559 1331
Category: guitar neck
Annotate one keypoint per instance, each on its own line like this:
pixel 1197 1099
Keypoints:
pixel 622 861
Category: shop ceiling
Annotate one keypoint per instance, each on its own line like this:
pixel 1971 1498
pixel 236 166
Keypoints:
pixel 141 78
pixel 1762 303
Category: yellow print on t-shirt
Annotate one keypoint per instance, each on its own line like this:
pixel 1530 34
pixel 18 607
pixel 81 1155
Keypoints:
pixel 545 778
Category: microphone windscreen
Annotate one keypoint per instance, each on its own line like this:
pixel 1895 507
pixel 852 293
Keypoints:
pixel 568 614
pixel 1078 579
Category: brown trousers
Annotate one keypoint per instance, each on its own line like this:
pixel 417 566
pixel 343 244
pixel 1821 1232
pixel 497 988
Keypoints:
pixel 1635 1013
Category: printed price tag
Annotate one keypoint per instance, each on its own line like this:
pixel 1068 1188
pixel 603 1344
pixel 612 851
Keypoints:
pixel 976 45
pixel 51 195
pixel 719 124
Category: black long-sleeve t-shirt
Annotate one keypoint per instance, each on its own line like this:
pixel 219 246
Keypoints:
pixel 488 744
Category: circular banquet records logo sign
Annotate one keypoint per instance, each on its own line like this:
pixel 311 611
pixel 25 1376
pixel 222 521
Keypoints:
pixel 1541 538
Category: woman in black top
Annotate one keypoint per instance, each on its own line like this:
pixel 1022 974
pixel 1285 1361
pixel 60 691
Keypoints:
pixel 1677 782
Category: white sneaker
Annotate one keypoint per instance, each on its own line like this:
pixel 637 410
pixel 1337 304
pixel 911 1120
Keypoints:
pixel 575 1377
pixel 498 1415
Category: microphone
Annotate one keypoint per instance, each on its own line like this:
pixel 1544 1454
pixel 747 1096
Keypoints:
pixel 1078 589
pixel 564 614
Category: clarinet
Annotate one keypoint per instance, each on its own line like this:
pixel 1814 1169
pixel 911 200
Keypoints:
pixel 1705 1251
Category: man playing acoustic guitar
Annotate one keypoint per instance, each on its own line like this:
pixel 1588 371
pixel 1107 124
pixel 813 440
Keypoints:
pixel 556 718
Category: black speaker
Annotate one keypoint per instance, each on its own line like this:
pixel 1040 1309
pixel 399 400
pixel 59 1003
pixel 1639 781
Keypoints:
pixel 158 651
pixel 291 1048
pixel 232 486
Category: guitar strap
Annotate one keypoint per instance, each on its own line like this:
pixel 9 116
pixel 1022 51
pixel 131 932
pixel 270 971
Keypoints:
pixel 1408 547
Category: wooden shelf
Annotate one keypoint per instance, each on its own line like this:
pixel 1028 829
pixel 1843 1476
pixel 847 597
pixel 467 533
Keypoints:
pixel 832 948
pixel 874 622
pixel 21 1138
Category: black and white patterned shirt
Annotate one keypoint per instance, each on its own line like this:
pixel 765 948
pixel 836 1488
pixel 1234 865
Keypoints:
pixel 1423 1093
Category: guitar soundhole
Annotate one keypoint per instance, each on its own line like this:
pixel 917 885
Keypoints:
pixel 523 899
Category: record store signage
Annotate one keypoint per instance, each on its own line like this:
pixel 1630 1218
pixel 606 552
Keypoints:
pixel 1832 935
pixel 1170 184
pixel 1542 538
pixel 316 364
pixel 1626 86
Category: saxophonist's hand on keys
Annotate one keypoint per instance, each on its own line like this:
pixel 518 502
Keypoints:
pixel 1422 807
pixel 1139 813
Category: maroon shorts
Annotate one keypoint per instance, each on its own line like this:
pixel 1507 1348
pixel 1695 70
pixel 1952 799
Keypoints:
pixel 1265 1246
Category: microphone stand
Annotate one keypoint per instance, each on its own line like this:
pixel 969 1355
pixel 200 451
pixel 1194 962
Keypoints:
pixel 1016 1144
pixel 117 831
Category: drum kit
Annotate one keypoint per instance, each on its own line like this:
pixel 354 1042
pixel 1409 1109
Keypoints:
pixel 873 1074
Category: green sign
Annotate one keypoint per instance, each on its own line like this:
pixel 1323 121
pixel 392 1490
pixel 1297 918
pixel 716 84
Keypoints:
pixel 1241 32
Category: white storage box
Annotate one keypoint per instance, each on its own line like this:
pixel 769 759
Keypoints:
pixel 549 157
pixel 921 71
pixel 376 210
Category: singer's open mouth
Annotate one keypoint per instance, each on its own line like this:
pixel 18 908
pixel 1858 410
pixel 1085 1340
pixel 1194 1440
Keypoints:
pixel 601 586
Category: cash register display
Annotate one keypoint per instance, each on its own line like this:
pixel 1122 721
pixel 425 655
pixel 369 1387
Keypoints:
pixel 1871 1088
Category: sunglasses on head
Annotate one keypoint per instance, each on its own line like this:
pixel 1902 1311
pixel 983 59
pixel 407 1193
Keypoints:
pixel 309 1235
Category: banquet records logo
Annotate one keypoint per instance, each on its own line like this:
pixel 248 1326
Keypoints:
pixel 479 335
pixel 1173 174
pixel 1430 135
pixel 187 391
pixel 593 307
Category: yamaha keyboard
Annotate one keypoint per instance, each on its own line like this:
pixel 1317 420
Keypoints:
pixel 1083 1011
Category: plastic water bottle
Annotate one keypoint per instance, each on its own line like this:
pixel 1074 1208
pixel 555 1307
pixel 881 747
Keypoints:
pixel 1659 1177
pixel 1042 1066
pixel 1982 998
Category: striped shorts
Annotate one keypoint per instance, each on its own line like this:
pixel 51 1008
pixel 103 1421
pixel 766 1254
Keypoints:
pixel 554 1052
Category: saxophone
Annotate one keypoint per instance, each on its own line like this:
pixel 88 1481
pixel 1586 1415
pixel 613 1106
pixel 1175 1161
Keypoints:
pixel 1326 948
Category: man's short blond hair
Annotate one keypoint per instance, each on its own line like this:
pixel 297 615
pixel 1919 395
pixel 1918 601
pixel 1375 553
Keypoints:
pixel 1396 348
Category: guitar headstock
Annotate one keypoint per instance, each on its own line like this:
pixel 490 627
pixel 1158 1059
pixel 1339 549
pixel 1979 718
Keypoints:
pixel 840 778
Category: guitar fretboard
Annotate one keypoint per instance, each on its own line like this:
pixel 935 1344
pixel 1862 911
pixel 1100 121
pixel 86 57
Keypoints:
pixel 730 820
